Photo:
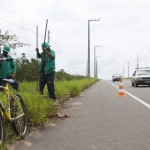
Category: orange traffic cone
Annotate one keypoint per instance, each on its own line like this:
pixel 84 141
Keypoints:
pixel 121 89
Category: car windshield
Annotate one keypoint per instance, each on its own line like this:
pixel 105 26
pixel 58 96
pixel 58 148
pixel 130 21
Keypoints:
pixel 143 72
pixel 116 75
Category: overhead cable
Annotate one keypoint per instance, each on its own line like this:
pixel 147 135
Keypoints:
pixel 17 25
pixel 10 11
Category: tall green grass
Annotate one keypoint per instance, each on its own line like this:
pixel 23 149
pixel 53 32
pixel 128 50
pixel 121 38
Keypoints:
pixel 73 87
pixel 39 107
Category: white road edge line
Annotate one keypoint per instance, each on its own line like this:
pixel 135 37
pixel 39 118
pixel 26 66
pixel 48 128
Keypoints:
pixel 136 98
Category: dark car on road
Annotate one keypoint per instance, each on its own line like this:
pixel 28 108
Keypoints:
pixel 116 77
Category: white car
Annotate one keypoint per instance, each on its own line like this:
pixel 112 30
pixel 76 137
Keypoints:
pixel 141 77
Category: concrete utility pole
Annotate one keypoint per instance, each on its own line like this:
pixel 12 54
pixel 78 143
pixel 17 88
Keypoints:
pixel 123 71
pixel 128 69
pixel 95 60
pixel 96 65
pixel 96 70
pixel 137 61
pixel 89 45
pixel 86 69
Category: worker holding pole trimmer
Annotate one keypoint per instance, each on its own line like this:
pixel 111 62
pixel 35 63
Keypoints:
pixel 47 67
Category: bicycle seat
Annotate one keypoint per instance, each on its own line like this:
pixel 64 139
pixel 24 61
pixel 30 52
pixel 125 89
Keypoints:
pixel 8 80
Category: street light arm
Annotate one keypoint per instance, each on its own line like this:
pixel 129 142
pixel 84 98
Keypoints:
pixel 94 19
pixel 97 46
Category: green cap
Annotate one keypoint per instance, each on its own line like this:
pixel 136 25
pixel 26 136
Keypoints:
pixel 6 48
pixel 45 45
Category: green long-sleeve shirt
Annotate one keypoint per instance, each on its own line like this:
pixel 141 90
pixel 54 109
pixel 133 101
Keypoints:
pixel 49 65
pixel 7 68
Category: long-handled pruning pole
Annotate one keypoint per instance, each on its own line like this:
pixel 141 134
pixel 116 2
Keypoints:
pixel 37 87
pixel 37 84
pixel 45 30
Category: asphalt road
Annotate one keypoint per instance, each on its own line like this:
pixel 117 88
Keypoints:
pixel 99 120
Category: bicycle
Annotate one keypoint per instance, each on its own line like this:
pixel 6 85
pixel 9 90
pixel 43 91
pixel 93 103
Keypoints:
pixel 14 111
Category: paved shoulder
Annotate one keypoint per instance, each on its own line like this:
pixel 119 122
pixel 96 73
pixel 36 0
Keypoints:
pixel 99 120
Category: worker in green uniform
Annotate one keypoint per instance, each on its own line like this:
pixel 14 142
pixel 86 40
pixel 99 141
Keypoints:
pixel 7 68
pixel 47 69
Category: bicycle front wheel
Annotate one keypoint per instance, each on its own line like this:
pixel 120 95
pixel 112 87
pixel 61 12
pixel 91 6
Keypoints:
pixel 18 112
pixel 2 130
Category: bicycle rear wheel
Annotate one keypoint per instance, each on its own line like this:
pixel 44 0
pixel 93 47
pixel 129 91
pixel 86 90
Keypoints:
pixel 18 112
pixel 2 130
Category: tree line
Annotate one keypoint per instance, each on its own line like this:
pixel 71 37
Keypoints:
pixel 28 70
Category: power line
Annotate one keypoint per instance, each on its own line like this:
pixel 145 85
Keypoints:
pixel 17 25
pixel 10 11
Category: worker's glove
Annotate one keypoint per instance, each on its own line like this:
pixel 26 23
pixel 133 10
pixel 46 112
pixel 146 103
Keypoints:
pixel 37 50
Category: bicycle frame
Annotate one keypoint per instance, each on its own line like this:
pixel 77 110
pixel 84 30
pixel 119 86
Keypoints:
pixel 4 111
pixel 7 111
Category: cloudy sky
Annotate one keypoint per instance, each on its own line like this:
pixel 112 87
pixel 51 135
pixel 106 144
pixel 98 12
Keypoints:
pixel 123 32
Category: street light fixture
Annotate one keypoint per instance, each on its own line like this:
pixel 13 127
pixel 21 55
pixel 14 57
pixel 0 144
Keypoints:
pixel 88 72
pixel 95 60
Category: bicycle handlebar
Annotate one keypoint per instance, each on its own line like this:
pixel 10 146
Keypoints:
pixel 5 59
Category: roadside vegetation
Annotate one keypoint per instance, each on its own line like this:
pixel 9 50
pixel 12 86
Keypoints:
pixel 39 108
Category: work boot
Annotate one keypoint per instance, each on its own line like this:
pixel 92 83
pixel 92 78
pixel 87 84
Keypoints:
pixel 56 102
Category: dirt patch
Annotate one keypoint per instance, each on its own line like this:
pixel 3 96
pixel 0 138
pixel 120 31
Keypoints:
pixel 58 116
